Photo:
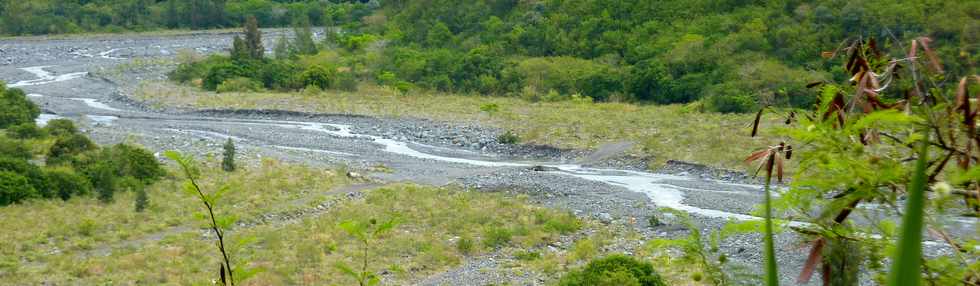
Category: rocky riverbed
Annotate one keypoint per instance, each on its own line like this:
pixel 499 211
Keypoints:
pixel 67 77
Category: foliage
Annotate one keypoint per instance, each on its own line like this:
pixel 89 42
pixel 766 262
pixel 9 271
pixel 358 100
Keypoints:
pixel 707 260
pixel 34 174
pixel 218 224
pixel 614 270
pixel 239 84
pixel 228 157
pixel 65 183
pixel 253 39
pixel 14 149
pixel 508 137
pixel 27 130
pixel 141 201
pixel 15 188
pixel 15 108
pixel 318 76
pixel 365 233
pixel 60 128
pixel 866 141
pixel 65 148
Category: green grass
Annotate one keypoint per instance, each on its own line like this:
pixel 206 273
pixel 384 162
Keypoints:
pixel 662 132
pixel 81 241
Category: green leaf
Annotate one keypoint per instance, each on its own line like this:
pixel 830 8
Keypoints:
pixel 354 229
pixel 908 257
pixel 244 273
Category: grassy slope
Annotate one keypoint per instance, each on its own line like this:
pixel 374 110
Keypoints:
pixel 663 132
pixel 84 242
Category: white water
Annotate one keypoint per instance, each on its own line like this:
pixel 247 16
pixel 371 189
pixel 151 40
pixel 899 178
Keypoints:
pixel 653 185
pixel 45 77
pixel 34 95
pixel 43 119
pixel 105 55
pixel 94 103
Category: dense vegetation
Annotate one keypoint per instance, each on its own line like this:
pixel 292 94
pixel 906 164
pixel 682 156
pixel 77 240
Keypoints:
pixel 73 16
pixel 731 56
pixel 73 164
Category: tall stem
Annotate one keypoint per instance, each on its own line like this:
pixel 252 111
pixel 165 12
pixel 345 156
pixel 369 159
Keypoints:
pixel 772 274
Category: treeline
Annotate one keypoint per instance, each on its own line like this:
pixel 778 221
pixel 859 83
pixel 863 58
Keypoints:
pixel 726 56
pixel 72 16
pixel 732 54
pixel 69 165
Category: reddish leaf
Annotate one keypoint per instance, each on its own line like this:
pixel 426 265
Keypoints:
pixel 816 255
pixel 755 124
pixel 757 155
pixel 933 59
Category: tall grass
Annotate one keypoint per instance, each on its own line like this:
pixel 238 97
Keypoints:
pixel 908 257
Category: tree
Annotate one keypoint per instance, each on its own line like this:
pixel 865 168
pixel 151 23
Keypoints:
pixel 253 38
pixel 15 108
pixel 14 188
pixel 228 158
pixel 238 49
pixel 282 50
pixel 303 42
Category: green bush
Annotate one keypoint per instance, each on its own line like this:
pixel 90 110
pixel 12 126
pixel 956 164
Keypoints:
pixel 15 188
pixel 14 149
pixel 279 75
pixel 613 270
pixel 27 130
pixel 65 148
pixel 728 98
pixel 318 76
pixel 347 81
pixel 15 108
pixel 508 138
pixel 239 84
pixel 494 237
pixel 132 161
pixel 35 177
pixel 60 128
pixel 192 70
pixel 65 183
pixel 222 72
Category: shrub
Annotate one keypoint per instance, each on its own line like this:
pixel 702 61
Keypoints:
pixel 318 76
pixel 727 98
pixel 141 201
pixel 239 84
pixel 494 237
pixel 14 188
pixel 228 157
pixel 508 138
pixel 60 128
pixel 346 81
pixel 15 108
pixel 65 183
pixel 35 177
pixel 220 73
pixel 465 245
pixel 27 130
pixel 279 74
pixel 195 69
pixel 14 149
pixel 66 147
pixel 614 270
pixel 132 161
